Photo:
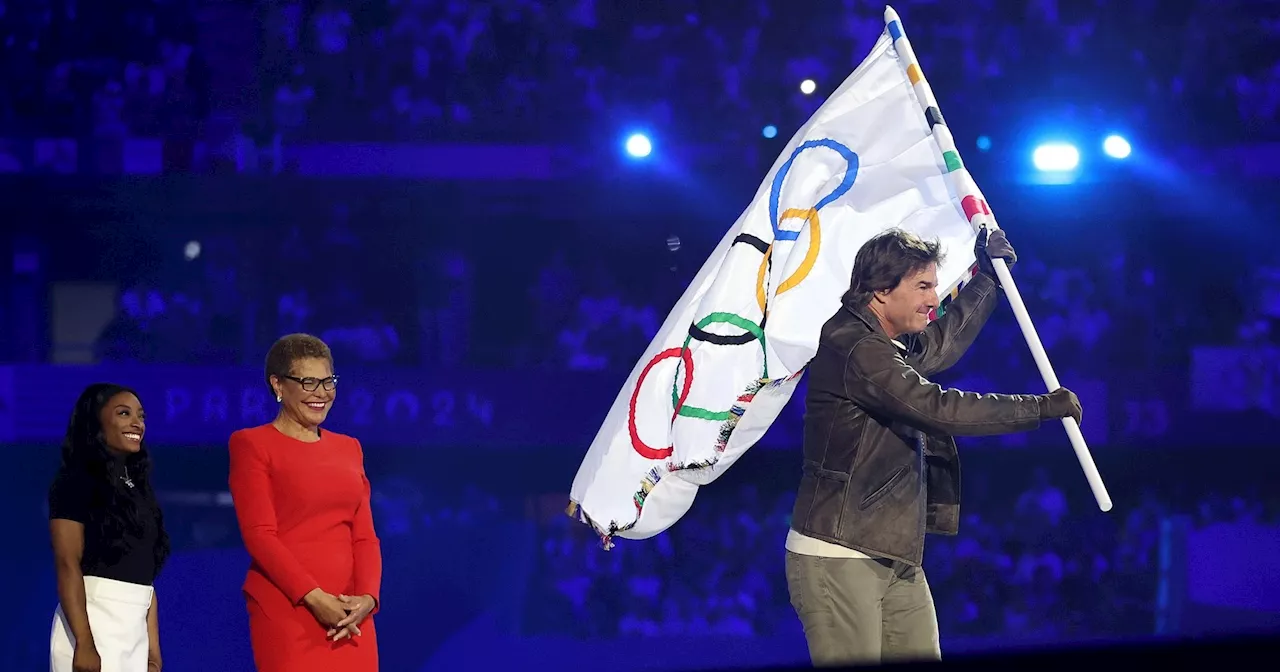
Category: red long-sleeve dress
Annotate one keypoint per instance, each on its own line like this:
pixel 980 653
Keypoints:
pixel 304 515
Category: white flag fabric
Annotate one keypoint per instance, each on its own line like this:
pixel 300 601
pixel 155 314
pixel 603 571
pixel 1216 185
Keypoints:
pixel 875 155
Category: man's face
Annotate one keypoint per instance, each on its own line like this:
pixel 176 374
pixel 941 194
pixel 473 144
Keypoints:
pixel 905 309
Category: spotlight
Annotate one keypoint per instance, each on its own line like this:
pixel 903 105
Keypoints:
pixel 1116 147
pixel 639 146
pixel 1056 157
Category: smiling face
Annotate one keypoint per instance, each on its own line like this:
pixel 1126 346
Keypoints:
pixel 905 309
pixel 307 393
pixel 124 423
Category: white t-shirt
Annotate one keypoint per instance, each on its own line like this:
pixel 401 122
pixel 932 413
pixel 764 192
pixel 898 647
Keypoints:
pixel 804 545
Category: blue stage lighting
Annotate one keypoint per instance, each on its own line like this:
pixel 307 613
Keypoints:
pixel 1116 147
pixel 770 131
pixel 639 146
pixel 1056 157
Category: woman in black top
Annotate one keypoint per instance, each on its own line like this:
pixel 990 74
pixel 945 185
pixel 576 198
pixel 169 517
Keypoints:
pixel 109 541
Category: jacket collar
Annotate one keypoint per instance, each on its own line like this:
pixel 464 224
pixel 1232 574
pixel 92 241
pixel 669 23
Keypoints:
pixel 869 318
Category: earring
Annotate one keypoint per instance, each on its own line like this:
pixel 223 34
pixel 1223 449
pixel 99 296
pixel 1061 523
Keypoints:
pixel 279 398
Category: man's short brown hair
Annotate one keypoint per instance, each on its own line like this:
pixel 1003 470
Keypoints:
pixel 883 261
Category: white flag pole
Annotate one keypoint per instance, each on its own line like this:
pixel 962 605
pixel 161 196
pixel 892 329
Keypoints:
pixel 1051 381
pixel 981 215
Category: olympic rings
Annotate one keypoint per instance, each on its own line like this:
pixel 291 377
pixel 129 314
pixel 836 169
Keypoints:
pixel 754 333
pixel 846 183
pixel 644 449
pixel 806 265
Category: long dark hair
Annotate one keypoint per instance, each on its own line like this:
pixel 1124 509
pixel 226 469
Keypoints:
pixel 87 460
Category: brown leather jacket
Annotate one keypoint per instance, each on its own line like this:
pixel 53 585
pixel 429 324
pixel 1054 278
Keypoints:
pixel 880 466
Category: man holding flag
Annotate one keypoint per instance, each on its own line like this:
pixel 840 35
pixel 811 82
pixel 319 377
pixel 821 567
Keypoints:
pixel 872 175
pixel 880 466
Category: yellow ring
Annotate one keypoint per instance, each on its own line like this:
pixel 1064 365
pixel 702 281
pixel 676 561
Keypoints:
pixel 810 216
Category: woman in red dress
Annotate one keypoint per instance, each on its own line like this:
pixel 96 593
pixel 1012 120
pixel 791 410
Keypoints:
pixel 302 500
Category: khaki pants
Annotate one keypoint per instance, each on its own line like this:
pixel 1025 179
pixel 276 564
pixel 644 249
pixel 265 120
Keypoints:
pixel 857 611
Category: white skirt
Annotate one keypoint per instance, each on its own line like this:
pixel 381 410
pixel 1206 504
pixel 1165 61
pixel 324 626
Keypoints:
pixel 118 621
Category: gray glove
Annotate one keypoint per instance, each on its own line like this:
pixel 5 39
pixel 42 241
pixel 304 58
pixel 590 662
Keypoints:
pixel 1060 403
pixel 993 245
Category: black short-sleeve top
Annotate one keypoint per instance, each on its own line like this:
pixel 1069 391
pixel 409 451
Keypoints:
pixel 132 556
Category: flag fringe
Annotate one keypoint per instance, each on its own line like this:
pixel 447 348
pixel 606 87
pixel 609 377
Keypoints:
pixel 574 509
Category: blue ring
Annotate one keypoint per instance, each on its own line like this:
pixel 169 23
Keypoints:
pixel 775 191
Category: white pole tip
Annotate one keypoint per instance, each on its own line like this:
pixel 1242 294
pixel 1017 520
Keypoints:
pixel 890 16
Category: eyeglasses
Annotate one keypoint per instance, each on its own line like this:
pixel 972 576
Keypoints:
pixel 310 384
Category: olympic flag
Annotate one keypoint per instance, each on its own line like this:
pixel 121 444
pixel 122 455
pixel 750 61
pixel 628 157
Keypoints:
pixel 875 155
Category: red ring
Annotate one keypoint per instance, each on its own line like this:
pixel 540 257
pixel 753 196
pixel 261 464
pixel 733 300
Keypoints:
pixel 645 450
